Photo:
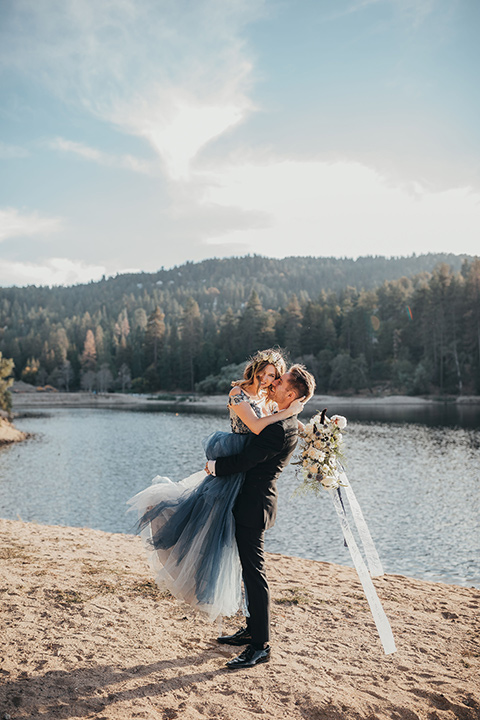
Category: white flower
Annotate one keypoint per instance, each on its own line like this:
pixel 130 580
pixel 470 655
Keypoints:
pixel 313 453
pixel 308 429
pixel 330 481
pixel 319 450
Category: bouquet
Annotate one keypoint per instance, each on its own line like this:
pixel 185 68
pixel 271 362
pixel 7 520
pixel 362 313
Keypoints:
pixel 320 452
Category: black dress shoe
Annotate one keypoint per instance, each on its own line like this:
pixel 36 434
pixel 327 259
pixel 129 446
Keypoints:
pixel 241 637
pixel 249 657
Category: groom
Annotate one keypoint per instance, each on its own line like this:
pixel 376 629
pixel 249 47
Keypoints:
pixel 264 458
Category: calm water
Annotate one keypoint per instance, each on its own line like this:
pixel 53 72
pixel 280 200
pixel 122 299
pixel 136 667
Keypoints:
pixel 418 484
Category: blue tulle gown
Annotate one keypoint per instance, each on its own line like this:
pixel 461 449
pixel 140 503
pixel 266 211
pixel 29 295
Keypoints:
pixel 189 532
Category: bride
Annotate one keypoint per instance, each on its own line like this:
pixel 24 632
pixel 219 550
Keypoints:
pixel 188 527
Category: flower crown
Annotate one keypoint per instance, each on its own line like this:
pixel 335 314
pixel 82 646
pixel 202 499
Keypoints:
pixel 271 357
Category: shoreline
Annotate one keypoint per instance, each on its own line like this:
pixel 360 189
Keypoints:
pixel 35 399
pixel 87 634
pixel 25 403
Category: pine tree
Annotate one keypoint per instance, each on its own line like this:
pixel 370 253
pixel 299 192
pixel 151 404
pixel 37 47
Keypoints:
pixel 154 336
pixel 293 327
pixel 227 339
pixel 254 329
pixel 190 343
pixel 89 355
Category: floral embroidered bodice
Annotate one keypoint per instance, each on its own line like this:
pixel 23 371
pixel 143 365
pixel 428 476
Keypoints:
pixel 237 425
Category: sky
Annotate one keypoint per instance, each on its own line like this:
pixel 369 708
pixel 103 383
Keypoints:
pixel 141 134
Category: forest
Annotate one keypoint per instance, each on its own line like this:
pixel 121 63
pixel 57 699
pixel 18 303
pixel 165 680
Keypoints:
pixel 375 324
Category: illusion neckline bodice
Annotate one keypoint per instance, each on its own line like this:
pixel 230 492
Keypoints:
pixel 237 425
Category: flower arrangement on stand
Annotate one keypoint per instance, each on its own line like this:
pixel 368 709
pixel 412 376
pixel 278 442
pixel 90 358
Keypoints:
pixel 320 452
pixel 320 460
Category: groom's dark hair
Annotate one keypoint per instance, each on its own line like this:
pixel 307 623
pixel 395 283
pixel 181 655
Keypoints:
pixel 301 381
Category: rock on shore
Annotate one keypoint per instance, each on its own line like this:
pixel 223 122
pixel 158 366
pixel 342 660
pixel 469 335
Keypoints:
pixel 85 634
pixel 9 433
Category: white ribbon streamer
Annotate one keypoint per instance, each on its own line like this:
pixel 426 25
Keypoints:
pixel 373 560
pixel 378 613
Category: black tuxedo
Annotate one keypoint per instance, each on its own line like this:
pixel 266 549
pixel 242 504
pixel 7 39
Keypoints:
pixel 263 459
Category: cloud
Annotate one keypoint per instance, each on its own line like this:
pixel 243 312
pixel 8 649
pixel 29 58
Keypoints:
pixel 176 74
pixel 342 209
pixel 54 271
pixel 179 126
pixel 14 223
pixel 129 162
pixel 12 151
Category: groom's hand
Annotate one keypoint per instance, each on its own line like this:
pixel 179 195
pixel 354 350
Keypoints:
pixel 297 405
pixel 206 468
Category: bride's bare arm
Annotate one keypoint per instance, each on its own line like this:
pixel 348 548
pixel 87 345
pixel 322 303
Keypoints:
pixel 255 424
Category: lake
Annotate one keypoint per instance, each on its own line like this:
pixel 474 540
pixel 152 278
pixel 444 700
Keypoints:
pixel 418 483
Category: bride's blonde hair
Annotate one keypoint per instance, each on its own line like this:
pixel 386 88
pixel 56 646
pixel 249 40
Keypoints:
pixel 259 362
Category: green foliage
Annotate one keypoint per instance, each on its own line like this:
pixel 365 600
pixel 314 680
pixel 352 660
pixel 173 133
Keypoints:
pixel 408 325
pixel 6 369
pixel 221 383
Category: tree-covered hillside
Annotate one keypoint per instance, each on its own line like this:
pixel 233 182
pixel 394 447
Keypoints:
pixel 225 283
pixel 408 324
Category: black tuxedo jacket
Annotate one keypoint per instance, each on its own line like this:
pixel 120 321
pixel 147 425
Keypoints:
pixel 263 460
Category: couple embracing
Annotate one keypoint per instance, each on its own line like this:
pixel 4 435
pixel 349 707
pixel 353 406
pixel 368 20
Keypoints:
pixel 205 535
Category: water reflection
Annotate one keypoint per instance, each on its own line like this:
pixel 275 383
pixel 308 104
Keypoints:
pixel 418 484
pixel 436 414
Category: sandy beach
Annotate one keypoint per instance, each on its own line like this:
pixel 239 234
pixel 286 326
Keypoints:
pixel 85 634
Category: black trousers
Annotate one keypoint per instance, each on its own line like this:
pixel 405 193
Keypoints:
pixel 252 558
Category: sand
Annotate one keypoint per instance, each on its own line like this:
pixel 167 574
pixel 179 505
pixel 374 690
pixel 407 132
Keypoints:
pixel 85 634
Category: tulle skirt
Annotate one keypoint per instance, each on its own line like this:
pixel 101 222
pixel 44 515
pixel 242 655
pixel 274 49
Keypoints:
pixel 188 530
